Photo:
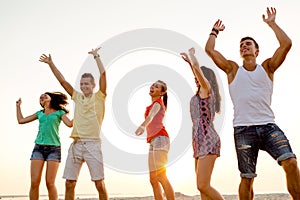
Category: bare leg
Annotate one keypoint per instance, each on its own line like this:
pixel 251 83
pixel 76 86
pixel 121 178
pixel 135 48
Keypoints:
pixel 292 177
pixel 70 189
pixel 100 186
pixel 155 186
pixel 36 169
pixel 204 170
pixel 165 183
pixel 52 167
pixel 246 189
pixel 158 177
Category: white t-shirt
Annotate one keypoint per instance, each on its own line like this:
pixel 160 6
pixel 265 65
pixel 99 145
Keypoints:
pixel 251 94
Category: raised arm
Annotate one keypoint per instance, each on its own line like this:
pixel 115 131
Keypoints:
pixel 285 43
pixel 154 110
pixel 102 80
pixel 199 76
pixel 229 67
pixel 20 118
pixel 67 86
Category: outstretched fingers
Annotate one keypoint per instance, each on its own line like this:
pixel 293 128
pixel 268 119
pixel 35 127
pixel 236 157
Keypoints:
pixel 271 14
pixel 94 51
pixel 185 57
pixel 219 25
pixel 44 58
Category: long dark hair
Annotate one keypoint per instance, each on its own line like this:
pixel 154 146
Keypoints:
pixel 211 77
pixel 164 89
pixel 58 101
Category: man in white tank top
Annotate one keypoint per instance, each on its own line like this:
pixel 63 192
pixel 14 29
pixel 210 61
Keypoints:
pixel 251 87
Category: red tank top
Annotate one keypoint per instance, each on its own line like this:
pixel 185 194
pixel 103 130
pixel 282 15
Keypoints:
pixel 155 127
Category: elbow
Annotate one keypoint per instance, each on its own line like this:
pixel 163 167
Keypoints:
pixel 103 75
pixel 70 124
pixel 208 50
pixel 287 44
pixel 20 122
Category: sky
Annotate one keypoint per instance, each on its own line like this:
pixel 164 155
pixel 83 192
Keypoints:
pixel 69 29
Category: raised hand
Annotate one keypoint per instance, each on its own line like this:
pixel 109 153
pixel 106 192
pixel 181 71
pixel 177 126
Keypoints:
pixel 46 59
pixel 18 102
pixel 219 26
pixel 192 51
pixel 271 12
pixel 94 52
pixel 185 58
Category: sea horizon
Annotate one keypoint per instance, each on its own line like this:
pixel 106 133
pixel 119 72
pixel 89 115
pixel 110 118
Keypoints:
pixel 178 196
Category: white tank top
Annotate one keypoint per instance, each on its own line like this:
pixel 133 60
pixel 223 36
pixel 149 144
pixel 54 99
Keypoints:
pixel 251 94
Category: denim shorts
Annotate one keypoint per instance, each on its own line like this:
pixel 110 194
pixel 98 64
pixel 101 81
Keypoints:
pixel 250 139
pixel 160 143
pixel 158 153
pixel 46 153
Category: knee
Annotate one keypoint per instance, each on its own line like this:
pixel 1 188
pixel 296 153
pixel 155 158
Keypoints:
pixel 153 180
pixel 35 184
pixel 290 165
pixel 247 182
pixel 70 185
pixel 100 186
pixel 50 184
pixel 203 186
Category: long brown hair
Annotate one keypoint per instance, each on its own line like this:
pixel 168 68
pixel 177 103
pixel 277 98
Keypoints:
pixel 164 89
pixel 211 77
pixel 58 101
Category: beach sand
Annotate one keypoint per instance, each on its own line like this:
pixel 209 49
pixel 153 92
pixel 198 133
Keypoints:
pixel 178 196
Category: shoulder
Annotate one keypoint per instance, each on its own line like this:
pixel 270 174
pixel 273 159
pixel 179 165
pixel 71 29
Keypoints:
pixel 75 94
pixel 38 113
pixel 158 102
pixel 61 112
pixel 100 94
pixel 266 67
pixel 232 70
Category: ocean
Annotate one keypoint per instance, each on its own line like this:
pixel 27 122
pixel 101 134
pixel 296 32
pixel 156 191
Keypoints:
pixel 178 196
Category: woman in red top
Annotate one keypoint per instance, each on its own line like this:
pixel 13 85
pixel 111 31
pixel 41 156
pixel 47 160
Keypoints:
pixel 158 139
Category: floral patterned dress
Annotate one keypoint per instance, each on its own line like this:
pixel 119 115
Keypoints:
pixel 205 138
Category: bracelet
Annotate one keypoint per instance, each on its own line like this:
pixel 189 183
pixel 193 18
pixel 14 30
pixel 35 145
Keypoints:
pixel 215 30
pixel 96 56
pixel 214 34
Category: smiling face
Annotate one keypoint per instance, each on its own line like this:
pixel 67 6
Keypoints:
pixel 45 99
pixel 157 89
pixel 248 47
pixel 87 86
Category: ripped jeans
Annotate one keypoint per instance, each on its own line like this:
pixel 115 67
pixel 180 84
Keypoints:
pixel 250 139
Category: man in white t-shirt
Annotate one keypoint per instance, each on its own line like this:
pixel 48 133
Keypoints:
pixel 251 87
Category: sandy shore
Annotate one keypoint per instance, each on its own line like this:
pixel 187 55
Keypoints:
pixel 178 196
